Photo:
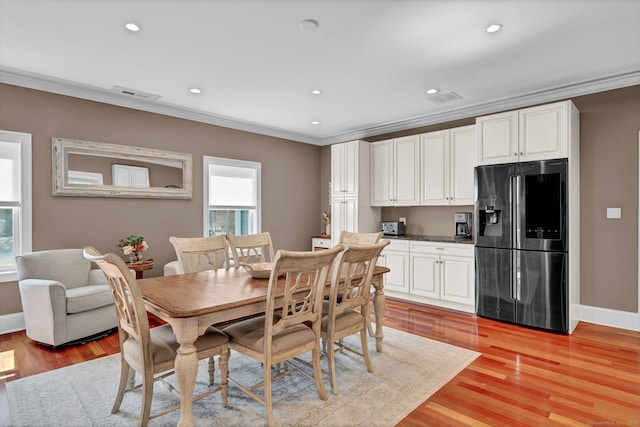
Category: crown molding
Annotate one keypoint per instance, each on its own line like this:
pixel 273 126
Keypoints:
pixel 630 78
pixel 77 90
pixel 92 93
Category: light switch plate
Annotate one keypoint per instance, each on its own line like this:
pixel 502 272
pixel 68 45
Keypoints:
pixel 614 213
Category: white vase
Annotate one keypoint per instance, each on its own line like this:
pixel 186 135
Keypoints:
pixel 328 229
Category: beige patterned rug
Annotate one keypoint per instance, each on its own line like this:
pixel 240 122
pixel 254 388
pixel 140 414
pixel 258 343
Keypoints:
pixel 410 369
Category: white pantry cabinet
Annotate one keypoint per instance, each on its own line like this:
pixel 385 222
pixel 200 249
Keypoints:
pixel 350 209
pixel 447 159
pixel 536 133
pixel 395 172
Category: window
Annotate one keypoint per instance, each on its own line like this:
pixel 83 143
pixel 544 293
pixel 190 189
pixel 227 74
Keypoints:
pixel 231 196
pixel 15 200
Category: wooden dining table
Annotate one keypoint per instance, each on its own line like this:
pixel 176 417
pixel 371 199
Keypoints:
pixel 192 302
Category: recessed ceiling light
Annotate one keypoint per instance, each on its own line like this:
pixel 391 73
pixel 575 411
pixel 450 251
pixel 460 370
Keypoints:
pixel 195 90
pixel 493 28
pixel 316 91
pixel 432 91
pixel 309 24
pixel 315 122
pixel 132 27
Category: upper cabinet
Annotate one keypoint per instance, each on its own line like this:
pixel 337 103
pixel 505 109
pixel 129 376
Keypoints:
pixel 535 133
pixel 447 161
pixel 345 169
pixel 395 172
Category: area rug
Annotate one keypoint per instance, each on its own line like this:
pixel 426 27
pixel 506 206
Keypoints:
pixel 409 370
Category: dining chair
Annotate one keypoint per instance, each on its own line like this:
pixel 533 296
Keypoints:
pixel 201 253
pixel 251 248
pixel 283 332
pixel 350 237
pixel 348 315
pixel 150 352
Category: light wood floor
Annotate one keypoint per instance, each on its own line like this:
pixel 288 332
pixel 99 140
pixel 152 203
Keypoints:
pixel 524 377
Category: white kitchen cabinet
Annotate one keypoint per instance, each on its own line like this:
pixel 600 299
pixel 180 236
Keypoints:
pixel 441 274
pixel 395 172
pixel 350 209
pixel 536 133
pixel 447 159
pixel 396 257
pixel 345 165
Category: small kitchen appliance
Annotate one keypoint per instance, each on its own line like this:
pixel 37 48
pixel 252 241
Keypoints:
pixel 463 225
pixel 392 228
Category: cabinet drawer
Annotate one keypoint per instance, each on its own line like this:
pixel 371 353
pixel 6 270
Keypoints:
pixel 397 245
pixel 457 249
pixel 320 243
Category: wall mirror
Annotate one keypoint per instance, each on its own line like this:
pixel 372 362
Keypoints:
pixel 95 169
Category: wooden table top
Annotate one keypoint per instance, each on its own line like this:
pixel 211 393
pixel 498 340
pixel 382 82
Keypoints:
pixel 195 294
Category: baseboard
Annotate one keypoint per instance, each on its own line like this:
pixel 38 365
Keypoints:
pixel 608 317
pixel 11 323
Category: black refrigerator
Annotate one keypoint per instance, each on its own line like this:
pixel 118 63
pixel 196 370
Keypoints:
pixel 521 243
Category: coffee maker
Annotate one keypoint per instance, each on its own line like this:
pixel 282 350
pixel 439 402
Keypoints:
pixel 463 225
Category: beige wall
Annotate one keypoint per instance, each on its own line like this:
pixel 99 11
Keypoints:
pixel 290 178
pixel 609 125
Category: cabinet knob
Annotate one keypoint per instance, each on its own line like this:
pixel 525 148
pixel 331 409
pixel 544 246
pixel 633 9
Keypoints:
pixel 515 154
pixel 521 153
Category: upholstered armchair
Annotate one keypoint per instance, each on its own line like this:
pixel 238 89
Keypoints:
pixel 63 298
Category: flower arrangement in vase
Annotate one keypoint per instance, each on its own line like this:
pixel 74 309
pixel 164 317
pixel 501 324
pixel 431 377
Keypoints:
pixel 133 245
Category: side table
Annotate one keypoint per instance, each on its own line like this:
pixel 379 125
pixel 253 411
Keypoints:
pixel 140 266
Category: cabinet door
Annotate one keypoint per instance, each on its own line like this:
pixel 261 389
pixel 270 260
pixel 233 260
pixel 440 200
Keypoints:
pixel 382 173
pixel 458 279
pixel 497 136
pixel 407 171
pixel 544 132
pixel 344 217
pixel 464 157
pixel 425 275
pixel 397 279
pixel 434 168
pixel 344 169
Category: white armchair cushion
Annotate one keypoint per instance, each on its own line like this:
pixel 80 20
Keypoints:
pixel 85 298
pixel 172 268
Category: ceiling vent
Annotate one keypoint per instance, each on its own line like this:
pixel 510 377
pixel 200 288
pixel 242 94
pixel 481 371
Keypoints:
pixel 444 97
pixel 135 93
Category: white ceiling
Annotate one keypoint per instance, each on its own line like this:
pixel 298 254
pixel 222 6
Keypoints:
pixel 373 60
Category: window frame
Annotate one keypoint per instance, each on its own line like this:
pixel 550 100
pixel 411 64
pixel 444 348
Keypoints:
pixel 22 223
pixel 209 160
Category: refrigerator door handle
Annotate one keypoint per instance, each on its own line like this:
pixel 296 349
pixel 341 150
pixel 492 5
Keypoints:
pixel 517 213
pixel 517 283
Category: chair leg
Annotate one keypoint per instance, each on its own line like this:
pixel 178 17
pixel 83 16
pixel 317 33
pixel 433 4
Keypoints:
pixel 331 354
pixel 365 350
pixel 212 368
pixel 223 362
pixel 267 394
pixel 124 379
pixel 147 395
pixel 317 372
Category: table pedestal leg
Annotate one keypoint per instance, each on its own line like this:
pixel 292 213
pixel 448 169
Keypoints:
pixel 186 367
pixel 378 309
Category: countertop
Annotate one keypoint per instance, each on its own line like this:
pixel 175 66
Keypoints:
pixel 424 238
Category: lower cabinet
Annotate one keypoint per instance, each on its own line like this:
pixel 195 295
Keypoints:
pixel 441 274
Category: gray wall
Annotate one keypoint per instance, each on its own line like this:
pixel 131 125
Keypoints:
pixel 291 208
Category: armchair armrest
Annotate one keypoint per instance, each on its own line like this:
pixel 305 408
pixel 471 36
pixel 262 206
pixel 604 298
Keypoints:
pixel 44 303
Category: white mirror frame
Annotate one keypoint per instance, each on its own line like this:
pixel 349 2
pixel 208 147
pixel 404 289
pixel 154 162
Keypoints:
pixel 61 148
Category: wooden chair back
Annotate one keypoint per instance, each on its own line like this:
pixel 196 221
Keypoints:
pixel 305 276
pixel 351 279
pixel 251 248
pixel 132 314
pixel 201 253
pixel 349 237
